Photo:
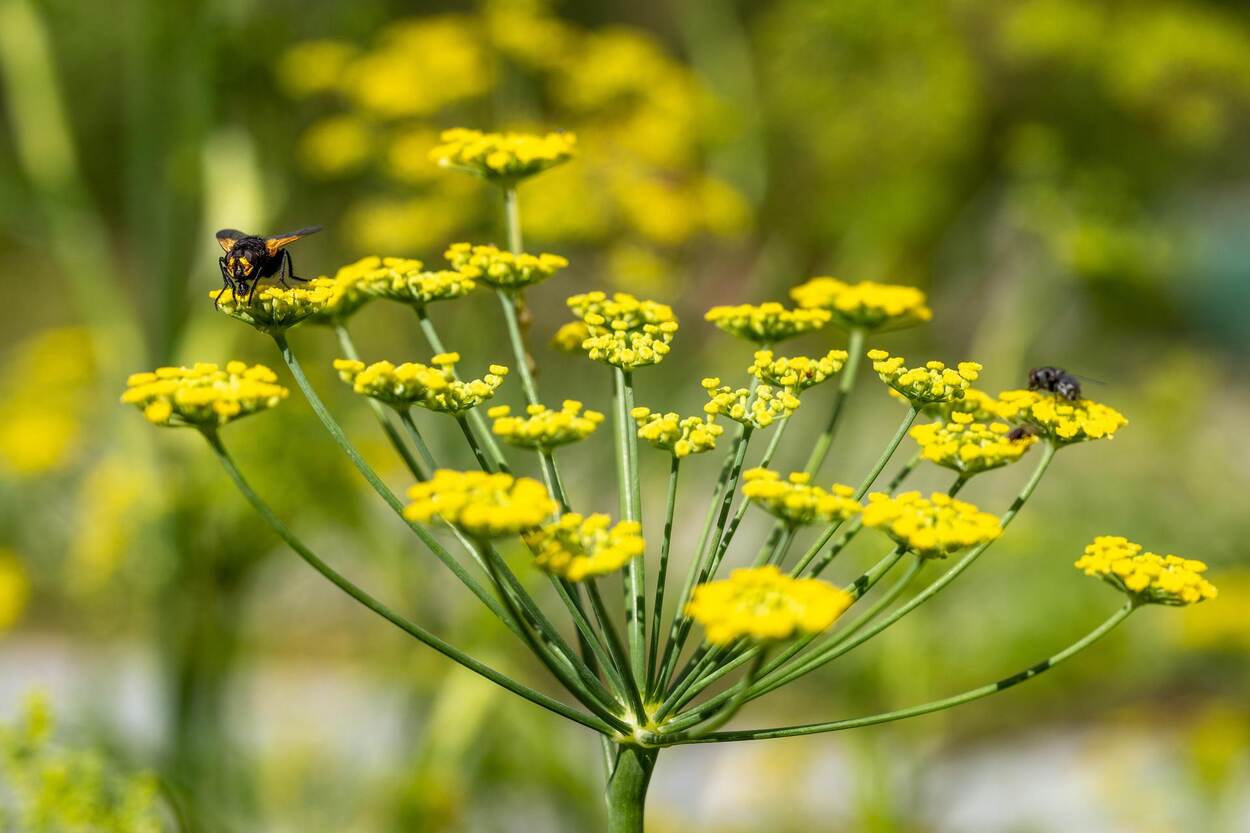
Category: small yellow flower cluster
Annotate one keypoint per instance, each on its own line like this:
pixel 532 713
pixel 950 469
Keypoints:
pixel 765 604
pixel 275 308
pixel 797 373
pixel 570 336
pixel 1060 420
pixel 433 387
pixel 578 548
pixel 866 305
pixel 483 505
pixel 502 270
pixel 502 156
pixel 1147 577
pixel 544 428
pixel 933 527
pixel 14 589
pixel 357 283
pixel 935 382
pixel 204 395
pixel 967 446
pixel 976 403
pixel 419 288
pixel 797 502
pixel 624 331
pixel 758 409
pixel 681 436
pixel 767 323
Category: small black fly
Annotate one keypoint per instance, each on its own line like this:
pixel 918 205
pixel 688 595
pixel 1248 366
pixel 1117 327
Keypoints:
pixel 249 258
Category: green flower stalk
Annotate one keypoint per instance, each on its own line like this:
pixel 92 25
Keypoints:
pixel 765 617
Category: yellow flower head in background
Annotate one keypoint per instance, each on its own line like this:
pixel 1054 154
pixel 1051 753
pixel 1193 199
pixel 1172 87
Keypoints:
pixel 357 283
pixel 933 383
pixel 45 399
pixel 932 528
pixel 1061 421
pixel 483 505
pixel 624 331
pixel 544 428
pixel 203 396
pixel 14 589
pixel 797 373
pixel 419 288
pixel 764 604
pixel 864 306
pixel 975 403
pixel 1148 578
pixel 433 387
pixel 797 502
pixel 502 270
pixel 276 308
pixel 502 157
pixel 577 547
pixel 766 323
pixel 757 409
pixel 678 435
pixel 969 447
pixel 570 336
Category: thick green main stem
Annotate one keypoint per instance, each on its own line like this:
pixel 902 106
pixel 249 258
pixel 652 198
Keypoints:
pixel 631 510
pixel 925 708
pixel 364 598
pixel 626 792
pixel 854 349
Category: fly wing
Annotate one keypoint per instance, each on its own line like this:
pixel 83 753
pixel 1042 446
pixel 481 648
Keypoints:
pixel 277 242
pixel 227 237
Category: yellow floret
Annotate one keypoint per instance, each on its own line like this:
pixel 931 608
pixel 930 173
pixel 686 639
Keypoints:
pixel 757 409
pixel 502 157
pixel 482 505
pixel 503 270
pixel 203 396
pixel 357 283
pixel 1148 578
pixel 680 436
pixel 543 428
pixel 921 386
pixel 797 502
pixel 864 306
pixel 767 323
pixel 798 373
pixel 624 331
pixel 934 527
pixel 1060 420
pixel 275 308
pixel 765 605
pixel 577 548
pixel 434 387
pixel 970 447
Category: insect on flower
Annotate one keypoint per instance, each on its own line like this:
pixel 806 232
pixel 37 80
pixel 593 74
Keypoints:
pixel 1056 380
pixel 248 258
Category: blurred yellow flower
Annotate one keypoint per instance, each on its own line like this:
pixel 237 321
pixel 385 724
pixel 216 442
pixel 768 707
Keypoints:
pixel 502 157
pixel 336 145
pixel 14 589
pixel 314 66
pixel 356 283
pixel 483 505
pixel 932 528
pixel 797 502
pixel 578 548
pixel 764 604
pixel 570 336
pixel 45 388
pixel 204 395
pixel 1148 578
pixel 766 323
pixel 866 305
pixel 503 270
pixel 543 428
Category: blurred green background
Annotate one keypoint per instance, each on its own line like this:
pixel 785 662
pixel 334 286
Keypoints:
pixel 1068 179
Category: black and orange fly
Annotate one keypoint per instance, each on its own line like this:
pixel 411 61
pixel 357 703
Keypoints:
pixel 249 258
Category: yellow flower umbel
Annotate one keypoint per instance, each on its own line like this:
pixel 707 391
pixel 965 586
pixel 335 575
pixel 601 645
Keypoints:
pixel 758 409
pixel 797 373
pixel 933 383
pixel 502 157
pixel 1146 577
pixel 569 338
pixel 933 527
pixel 419 288
pixel 276 308
pixel 797 502
pixel 482 505
pixel 969 447
pixel 678 435
pixel 433 387
pixel 1059 420
pixel 767 323
pixel 502 270
pixel 865 306
pixel 14 589
pixel 765 605
pixel 543 428
pixel 624 331
pixel 356 284
pixel 577 548
pixel 203 396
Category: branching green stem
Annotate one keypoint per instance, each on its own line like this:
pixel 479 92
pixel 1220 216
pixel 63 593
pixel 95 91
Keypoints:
pixel 854 350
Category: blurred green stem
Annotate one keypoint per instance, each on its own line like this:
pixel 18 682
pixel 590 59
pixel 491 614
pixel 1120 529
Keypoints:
pixel 854 350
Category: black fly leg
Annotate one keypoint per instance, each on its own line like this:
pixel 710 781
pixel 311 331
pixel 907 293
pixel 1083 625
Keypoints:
pixel 288 267
pixel 226 283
